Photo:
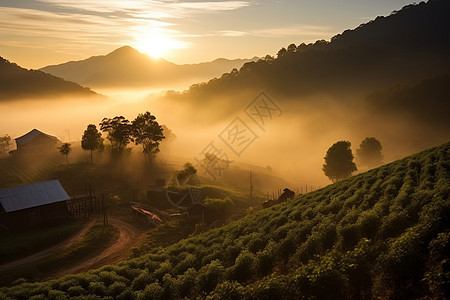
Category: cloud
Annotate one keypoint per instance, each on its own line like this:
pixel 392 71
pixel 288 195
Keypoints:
pixel 290 31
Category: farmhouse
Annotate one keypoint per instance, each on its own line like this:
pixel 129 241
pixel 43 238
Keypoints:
pixel 36 141
pixel 42 203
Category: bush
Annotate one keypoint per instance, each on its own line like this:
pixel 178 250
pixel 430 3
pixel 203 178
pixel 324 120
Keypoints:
pixel 97 288
pixel 116 288
pixel 76 291
pixel 244 267
pixel 210 275
pixel 228 290
pixel 152 291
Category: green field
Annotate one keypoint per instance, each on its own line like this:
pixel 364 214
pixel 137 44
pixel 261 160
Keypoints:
pixel 383 234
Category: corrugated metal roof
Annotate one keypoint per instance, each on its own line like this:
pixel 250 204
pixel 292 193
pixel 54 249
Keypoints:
pixel 32 195
pixel 30 136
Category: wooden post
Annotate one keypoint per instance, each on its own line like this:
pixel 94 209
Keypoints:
pixel 105 216
pixel 251 186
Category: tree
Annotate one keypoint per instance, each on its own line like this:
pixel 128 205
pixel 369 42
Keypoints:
pixel 183 176
pixel 65 149
pixel 119 132
pixel 5 141
pixel 92 139
pixel 339 161
pixel 369 152
pixel 147 132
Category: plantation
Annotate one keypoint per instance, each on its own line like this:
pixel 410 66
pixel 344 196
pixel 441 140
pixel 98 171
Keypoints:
pixel 382 234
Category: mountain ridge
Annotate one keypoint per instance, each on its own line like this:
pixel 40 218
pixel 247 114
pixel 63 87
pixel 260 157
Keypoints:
pixel 127 67
pixel 17 82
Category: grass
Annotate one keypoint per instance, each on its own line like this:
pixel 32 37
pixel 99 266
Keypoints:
pixel 97 238
pixel 17 244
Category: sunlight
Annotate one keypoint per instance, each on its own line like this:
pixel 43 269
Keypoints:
pixel 157 44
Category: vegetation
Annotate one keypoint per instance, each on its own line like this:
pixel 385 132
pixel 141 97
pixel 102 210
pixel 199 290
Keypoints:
pixel 65 149
pixel 183 176
pixel 96 239
pixel 339 161
pixel 147 132
pixel 5 142
pixel 17 244
pixel 369 152
pixel 18 83
pixel 119 134
pixel 92 140
pixel 382 234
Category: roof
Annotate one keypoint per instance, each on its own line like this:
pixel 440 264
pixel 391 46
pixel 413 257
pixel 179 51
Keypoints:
pixel 32 195
pixel 30 136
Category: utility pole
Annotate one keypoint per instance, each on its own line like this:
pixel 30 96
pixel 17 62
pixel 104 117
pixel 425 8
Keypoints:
pixel 251 186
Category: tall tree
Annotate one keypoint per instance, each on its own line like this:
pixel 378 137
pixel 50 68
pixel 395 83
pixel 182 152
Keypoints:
pixel 339 161
pixel 147 132
pixel 119 132
pixel 65 149
pixel 92 139
pixel 5 141
pixel 369 152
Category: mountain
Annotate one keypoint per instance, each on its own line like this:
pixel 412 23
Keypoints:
pixel 383 234
pixel 17 82
pixel 409 45
pixel 127 67
pixel 324 87
pixel 426 102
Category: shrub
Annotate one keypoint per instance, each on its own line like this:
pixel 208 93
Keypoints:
pixel 244 267
pixel 152 291
pixel 140 282
pixel 210 275
pixel 228 290
pixel 76 291
pixel 116 288
pixel 97 288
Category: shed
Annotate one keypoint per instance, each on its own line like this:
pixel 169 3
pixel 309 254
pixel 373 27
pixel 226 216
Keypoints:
pixel 41 203
pixel 36 141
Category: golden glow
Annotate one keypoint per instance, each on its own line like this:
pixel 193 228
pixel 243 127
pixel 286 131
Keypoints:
pixel 157 44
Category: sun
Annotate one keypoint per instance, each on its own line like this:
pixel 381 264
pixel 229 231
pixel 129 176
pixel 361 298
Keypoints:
pixel 156 44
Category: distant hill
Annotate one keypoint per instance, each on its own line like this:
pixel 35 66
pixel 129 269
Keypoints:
pixel 409 45
pixel 383 234
pixel 17 82
pixel 127 67
pixel 426 102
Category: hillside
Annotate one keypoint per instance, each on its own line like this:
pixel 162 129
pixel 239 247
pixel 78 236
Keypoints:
pixel 426 102
pixel 128 68
pixel 383 234
pixel 409 45
pixel 17 82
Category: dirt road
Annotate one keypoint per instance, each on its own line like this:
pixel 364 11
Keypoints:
pixel 129 236
pixel 46 252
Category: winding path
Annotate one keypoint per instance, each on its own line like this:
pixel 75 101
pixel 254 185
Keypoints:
pixel 129 236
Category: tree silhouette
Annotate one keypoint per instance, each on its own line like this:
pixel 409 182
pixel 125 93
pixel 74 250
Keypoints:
pixel 65 149
pixel 92 139
pixel 183 176
pixel 119 132
pixel 339 161
pixel 147 132
pixel 369 152
pixel 5 141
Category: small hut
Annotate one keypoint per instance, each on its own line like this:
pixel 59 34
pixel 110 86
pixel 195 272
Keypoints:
pixel 42 203
pixel 36 141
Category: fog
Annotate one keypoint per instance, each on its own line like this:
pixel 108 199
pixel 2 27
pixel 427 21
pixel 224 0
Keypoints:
pixel 291 146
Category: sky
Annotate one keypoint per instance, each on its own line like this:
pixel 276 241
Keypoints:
pixel 35 34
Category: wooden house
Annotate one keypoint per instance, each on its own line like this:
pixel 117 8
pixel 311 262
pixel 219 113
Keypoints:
pixel 36 142
pixel 42 203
